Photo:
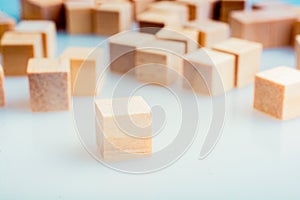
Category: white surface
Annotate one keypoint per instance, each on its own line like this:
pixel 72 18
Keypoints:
pixel 41 156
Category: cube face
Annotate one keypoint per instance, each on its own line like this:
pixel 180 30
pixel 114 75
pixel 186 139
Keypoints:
pixel 101 24
pixel 2 93
pixel 297 49
pixel 6 24
pixel 79 18
pixel 228 6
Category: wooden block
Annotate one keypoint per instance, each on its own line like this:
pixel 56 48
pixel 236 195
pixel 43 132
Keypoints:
pixel 49 81
pixel 112 18
pixel 227 6
pixel 17 48
pixel 188 36
pixel 79 16
pixel 43 10
pixel 48 31
pixel 247 58
pixel 209 72
pixel 198 9
pixel 140 6
pixel 123 50
pixel 269 27
pixel 210 32
pixel 277 92
pixel 297 49
pixel 2 92
pixel 84 63
pixel 159 62
pixel 123 128
pixel 6 24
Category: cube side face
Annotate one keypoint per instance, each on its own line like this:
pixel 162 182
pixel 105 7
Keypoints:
pixel 213 37
pixel 2 92
pixel 297 49
pixel 282 32
pixel 269 97
pixel 106 22
pixel 74 16
pixel 49 92
pixel 291 105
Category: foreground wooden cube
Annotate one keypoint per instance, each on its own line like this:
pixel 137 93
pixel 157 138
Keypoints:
pixel 123 128
pixel 6 24
pixel 2 92
pixel 297 49
pixel 49 81
pixel 123 50
pixel 277 92
pixel 247 58
pixel 79 16
pixel 112 18
pixel 209 72
pixel 84 62
pixel 17 49
pixel 227 6
pixel 269 27
pixel 210 31
pixel 160 62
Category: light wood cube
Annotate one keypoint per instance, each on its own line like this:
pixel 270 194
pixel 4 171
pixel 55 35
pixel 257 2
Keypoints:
pixel 17 49
pixel 79 16
pixel 210 32
pixel 2 92
pixel 227 6
pixel 277 92
pixel 247 58
pixel 124 128
pixel 84 63
pixel 209 72
pixel 197 9
pixel 49 81
pixel 112 18
pixel 48 31
pixel 269 27
pixel 6 24
pixel 188 36
pixel 160 62
pixel 123 50
pixel 297 49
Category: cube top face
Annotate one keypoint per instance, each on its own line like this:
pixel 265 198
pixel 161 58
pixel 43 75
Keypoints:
pixel 11 38
pixel 122 106
pixel 208 25
pixel 168 5
pixel 282 75
pixel 78 5
pixel 166 46
pixel 42 26
pixel 80 53
pixel 45 66
pixel 117 6
pixel 237 46
pixel 131 38
pixel 46 3
pixel 184 34
pixel 158 17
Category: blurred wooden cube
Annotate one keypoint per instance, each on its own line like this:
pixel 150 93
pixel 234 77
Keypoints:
pixel 48 31
pixel 49 81
pixel 209 72
pixel 124 128
pixel 210 32
pixel 269 27
pixel 84 62
pixel 277 92
pixel 123 50
pixel 112 18
pixel 227 6
pixel 197 9
pixel 2 92
pixel 17 49
pixel 297 49
pixel 79 16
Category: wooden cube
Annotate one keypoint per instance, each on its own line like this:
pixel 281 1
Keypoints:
pixel 247 58
pixel 277 92
pixel 6 24
pixel 2 92
pixel 112 18
pixel 197 9
pixel 123 50
pixel 269 27
pixel 48 31
pixel 84 63
pixel 227 6
pixel 209 72
pixel 210 32
pixel 43 10
pixel 79 16
pixel 188 36
pixel 49 81
pixel 123 128
pixel 297 49
pixel 17 48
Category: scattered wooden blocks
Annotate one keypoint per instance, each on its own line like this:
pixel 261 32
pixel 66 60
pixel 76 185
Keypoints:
pixel 188 36
pixel 197 9
pixel 123 50
pixel 247 58
pixel 6 24
pixel 123 128
pixel 17 49
pixel 269 27
pixel 79 16
pixel 277 92
pixel 84 63
pixel 160 62
pixel 2 93
pixel 227 6
pixel 210 32
pixel 297 49
pixel 209 72
pixel 112 18
pixel 49 81
pixel 48 31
